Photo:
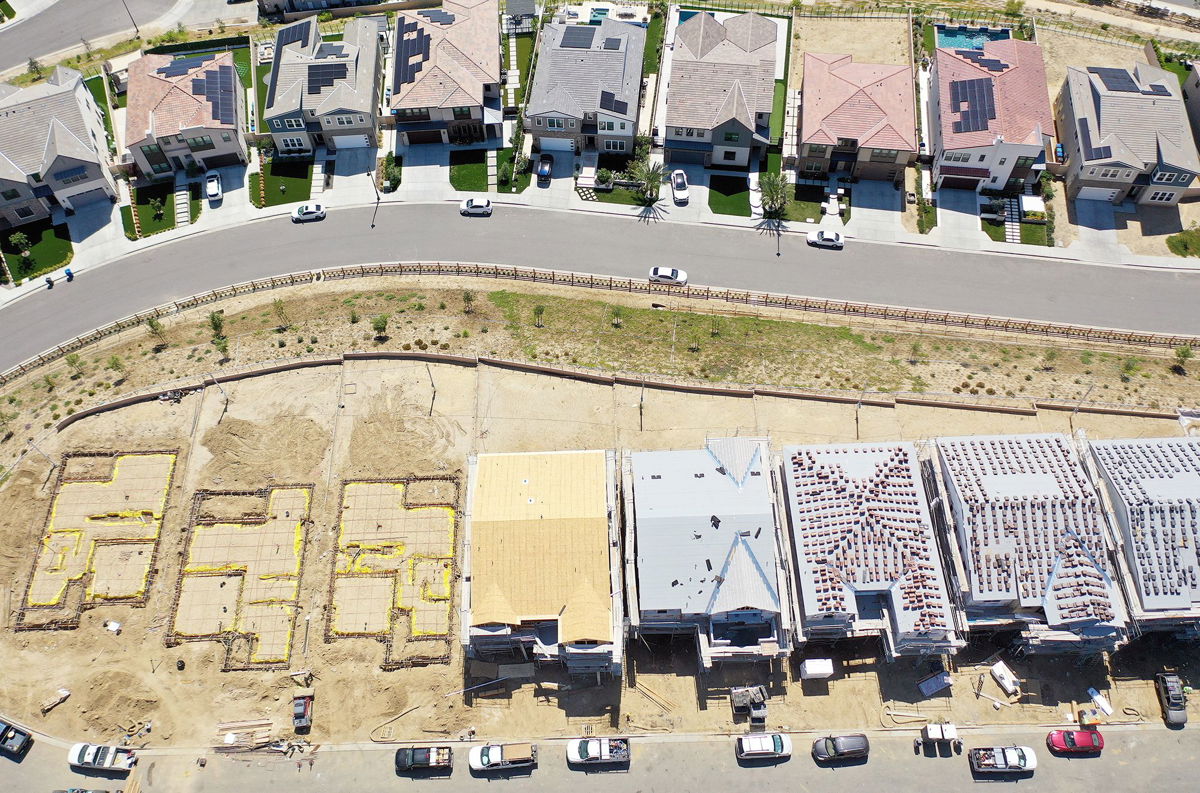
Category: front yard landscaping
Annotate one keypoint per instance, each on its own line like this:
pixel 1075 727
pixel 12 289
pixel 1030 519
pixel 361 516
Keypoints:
pixel 127 222
pixel 993 228
pixel 468 170
pixel 49 248
pixel 1185 243
pixel 518 182
pixel 194 205
pixel 287 181
pixel 729 195
pixel 147 219
pixel 805 203
pixel 620 195
pixel 1034 234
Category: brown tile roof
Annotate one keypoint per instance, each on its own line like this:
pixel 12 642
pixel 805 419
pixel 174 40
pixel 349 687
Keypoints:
pixel 463 56
pixel 869 102
pixel 1022 105
pixel 160 105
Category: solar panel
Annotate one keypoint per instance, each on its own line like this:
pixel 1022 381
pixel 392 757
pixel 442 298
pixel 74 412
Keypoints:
pixel 1085 140
pixel 979 97
pixel 1156 90
pixel 293 33
pixel 182 66
pixel 70 173
pixel 612 44
pixel 609 101
pixel 578 37
pixel 1115 79
pixel 323 75
pixel 983 60
pixel 411 54
pixel 437 15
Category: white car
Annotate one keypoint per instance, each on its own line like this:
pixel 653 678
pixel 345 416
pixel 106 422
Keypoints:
pixel 668 275
pixel 212 187
pixel 763 746
pixel 826 239
pixel 308 212
pixel 679 187
pixel 476 206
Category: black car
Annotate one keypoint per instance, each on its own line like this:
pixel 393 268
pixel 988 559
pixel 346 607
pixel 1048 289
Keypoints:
pixel 840 747
pixel 14 740
pixel 1172 697
pixel 544 167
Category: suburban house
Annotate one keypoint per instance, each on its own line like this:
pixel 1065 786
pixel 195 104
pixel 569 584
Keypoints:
pixel 53 150
pixel 707 550
pixel 991 121
pixel 856 118
pixel 184 112
pixel 1125 135
pixel 720 90
pixel 324 93
pixel 446 77
pixel 541 574
pixel 294 9
pixel 586 87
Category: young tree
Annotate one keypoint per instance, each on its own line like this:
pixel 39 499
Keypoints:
pixel 379 324
pixel 115 364
pixel 280 312
pixel 538 313
pixel 222 345
pixel 48 381
pixel 618 316
pixel 19 241
pixel 156 329
pixel 75 362
pixel 774 194
pixel 1182 356
pixel 35 68
pixel 468 302
pixel 216 321
pixel 156 206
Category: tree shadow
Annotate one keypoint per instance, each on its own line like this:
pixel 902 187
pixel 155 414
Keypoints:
pixel 652 211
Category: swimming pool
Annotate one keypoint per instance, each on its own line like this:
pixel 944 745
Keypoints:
pixel 684 16
pixel 965 38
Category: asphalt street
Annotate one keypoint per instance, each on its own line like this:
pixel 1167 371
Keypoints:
pixel 1134 759
pixel 1012 286
pixel 67 22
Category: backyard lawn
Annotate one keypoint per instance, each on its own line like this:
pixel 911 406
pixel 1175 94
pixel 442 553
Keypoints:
pixel 468 170
pixel 241 62
pixel 778 109
pixel 288 181
pixel 729 195
pixel 654 40
pixel 264 79
pixel 142 196
pixel 50 248
pixel 96 86
pixel 524 63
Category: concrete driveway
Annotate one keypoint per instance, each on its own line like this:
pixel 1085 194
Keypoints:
pixel 958 218
pixel 697 206
pixel 426 172
pixel 94 223
pixel 561 186
pixel 1097 225
pixel 876 210
pixel 355 161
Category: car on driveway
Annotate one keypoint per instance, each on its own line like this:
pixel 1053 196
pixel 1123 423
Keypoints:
pixel 1075 741
pixel 840 747
pixel 1172 698
pixel 212 187
pixel 826 239
pixel 475 206
pixel 679 187
pixel 544 167
pixel 668 275
pixel 763 746
pixel 306 212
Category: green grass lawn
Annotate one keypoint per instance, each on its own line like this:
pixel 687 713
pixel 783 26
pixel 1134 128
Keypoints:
pixel 805 203
pixel 1185 243
pixel 520 181
pixel 620 195
pixel 1178 69
pixel 7 9
pixel 127 223
pixel 654 41
pixel 468 170
pixel 194 204
pixel 165 192
pixel 260 102
pixel 96 86
pixel 1034 234
pixel 295 175
pixel 50 248
pixel 524 63
pixel 993 228
pixel 926 218
pixel 241 62
pixel 929 37
pixel 774 162
pixel 778 109
pixel 729 195
pixel 123 99
pixel 253 183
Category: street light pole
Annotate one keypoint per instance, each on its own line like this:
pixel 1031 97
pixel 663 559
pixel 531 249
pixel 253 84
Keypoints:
pixel 137 33
pixel 371 176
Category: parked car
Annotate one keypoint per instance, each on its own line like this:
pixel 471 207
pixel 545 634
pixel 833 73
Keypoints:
pixel 212 187
pixel 414 758
pixel 763 746
pixel 1172 697
pixel 840 747
pixel 476 206
pixel 598 751
pixel 826 239
pixel 306 212
pixel 302 707
pixel 544 166
pixel 1075 741
pixel 14 740
pixel 494 757
pixel 679 187
pixel 668 275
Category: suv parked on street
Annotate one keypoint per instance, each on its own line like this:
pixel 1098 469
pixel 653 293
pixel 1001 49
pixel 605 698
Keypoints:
pixel 1172 697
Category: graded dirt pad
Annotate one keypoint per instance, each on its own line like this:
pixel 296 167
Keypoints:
pixel 1060 50
pixel 868 40
pixel 405 420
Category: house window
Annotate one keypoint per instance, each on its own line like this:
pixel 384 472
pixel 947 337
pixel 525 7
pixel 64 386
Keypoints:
pixel 847 143
pixel 691 132
pixel 24 212
pixel 345 121
pixel 607 126
pixel 1162 196
pixel 729 155
pixel 360 119
pixel 1025 162
pixel 9 195
pixel 226 137
pixel 412 114
pixel 679 132
pixel 957 156
pixel 161 167
pixel 1109 173
pixel 293 143
pixel 994 178
pixel 614 145
pixel 276 123
pixel 462 113
pixel 884 155
pixel 555 123
pixel 293 123
pixel 537 122
pixel 72 178
pixel 817 150
pixel 733 137
pixel 202 143
pixel 982 157
pixel 812 166
pixel 622 125
pixel 1163 177
pixel 571 123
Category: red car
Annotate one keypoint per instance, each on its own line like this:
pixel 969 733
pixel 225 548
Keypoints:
pixel 1075 741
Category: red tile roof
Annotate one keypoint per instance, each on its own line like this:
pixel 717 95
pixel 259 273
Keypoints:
pixel 868 102
pixel 166 105
pixel 1022 105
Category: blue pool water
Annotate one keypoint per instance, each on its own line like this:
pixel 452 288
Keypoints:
pixel 961 38
pixel 684 16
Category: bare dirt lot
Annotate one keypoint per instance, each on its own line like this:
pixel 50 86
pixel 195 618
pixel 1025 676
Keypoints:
pixel 868 40
pixel 1145 232
pixel 1061 50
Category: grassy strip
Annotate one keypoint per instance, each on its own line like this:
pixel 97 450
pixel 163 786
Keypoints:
pixel 100 94
pixel 254 185
pixel 994 229
pixel 127 222
pixel 778 109
pixel 241 62
pixel 468 170
pixel 520 181
pixel 7 9
pixel 525 64
pixel 260 105
pixel 619 195
pixel 654 42
pixel 1034 234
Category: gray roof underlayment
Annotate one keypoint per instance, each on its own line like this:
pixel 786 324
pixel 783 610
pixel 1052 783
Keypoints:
pixel 1157 482
pixel 705 528
pixel 862 525
pixel 570 79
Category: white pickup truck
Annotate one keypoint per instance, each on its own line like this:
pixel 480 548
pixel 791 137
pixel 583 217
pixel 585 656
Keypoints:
pixel 104 758
pixel 496 756
pixel 598 751
pixel 1002 759
pixel 763 745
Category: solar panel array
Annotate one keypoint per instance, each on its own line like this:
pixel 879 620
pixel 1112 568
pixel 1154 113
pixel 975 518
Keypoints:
pixel 578 37
pixel 412 51
pixel 292 34
pixel 217 86
pixel 1116 79
pixel 980 104
pixel 323 75
pixel 983 60
pixel 609 102
pixel 438 15
pixel 612 44
pixel 182 66
pixel 1156 90
pixel 1091 152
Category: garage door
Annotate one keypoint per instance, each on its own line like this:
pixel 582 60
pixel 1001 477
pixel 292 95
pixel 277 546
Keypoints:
pixel 680 157
pixel 222 160
pixel 556 144
pixel 90 197
pixel 1096 194
pixel 959 183
pixel 425 136
pixel 351 141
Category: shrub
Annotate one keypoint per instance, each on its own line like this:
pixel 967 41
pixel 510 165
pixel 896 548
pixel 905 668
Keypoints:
pixel 604 176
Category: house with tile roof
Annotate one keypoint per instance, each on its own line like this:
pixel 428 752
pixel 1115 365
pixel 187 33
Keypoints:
pixel 856 118
pixel 1126 135
pixel 184 111
pixel 325 93
pixel 53 149
pixel 708 552
pixel 721 85
pixel 586 88
pixel 991 123
pixel 446 74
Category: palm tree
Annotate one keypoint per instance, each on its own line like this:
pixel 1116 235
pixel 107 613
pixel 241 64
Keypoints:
pixel 774 194
pixel 651 176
